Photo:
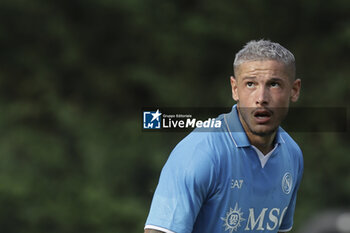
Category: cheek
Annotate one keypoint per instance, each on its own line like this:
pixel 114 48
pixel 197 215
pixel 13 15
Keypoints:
pixel 245 92
pixel 282 98
pixel 244 98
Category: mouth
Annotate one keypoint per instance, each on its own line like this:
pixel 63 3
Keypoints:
pixel 262 116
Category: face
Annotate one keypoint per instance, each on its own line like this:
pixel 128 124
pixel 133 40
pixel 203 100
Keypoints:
pixel 263 90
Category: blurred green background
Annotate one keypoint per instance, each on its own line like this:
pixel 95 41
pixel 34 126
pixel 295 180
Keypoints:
pixel 74 76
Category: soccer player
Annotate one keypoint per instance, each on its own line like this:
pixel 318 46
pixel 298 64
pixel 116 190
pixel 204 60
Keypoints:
pixel 245 176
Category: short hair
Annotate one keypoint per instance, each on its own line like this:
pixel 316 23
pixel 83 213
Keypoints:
pixel 262 50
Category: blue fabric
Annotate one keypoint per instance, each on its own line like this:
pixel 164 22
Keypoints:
pixel 213 182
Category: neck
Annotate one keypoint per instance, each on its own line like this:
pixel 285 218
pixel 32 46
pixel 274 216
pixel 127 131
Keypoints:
pixel 263 143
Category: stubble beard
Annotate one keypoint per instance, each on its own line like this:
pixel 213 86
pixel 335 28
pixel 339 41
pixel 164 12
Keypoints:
pixel 254 132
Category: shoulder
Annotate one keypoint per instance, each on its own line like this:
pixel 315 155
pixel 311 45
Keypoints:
pixel 191 165
pixel 209 141
pixel 194 147
pixel 199 151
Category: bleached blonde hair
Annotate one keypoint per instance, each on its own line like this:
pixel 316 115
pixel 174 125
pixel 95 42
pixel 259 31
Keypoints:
pixel 264 50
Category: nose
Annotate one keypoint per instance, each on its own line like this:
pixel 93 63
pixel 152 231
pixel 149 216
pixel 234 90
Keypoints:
pixel 262 97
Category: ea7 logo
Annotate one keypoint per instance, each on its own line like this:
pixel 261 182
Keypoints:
pixel 236 184
pixel 256 222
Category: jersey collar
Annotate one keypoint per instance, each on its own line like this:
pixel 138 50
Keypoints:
pixel 237 133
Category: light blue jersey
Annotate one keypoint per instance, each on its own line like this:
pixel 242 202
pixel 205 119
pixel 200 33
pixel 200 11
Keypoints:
pixel 215 182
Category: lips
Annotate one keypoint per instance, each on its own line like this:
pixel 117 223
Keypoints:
pixel 262 116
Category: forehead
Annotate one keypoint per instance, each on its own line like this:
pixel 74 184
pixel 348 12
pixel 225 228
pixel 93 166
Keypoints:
pixel 266 69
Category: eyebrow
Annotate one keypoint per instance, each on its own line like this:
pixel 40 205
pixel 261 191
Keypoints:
pixel 248 77
pixel 273 79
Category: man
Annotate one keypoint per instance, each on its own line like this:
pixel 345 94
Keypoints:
pixel 243 177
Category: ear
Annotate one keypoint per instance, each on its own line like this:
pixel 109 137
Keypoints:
pixel 234 88
pixel 295 90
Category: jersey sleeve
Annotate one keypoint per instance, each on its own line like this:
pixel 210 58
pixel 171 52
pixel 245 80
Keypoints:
pixel 287 222
pixel 184 184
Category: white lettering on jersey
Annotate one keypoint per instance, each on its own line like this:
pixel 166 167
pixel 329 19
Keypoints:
pixel 236 183
pixel 282 215
pixel 273 218
pixel 253 222
pixel 234 218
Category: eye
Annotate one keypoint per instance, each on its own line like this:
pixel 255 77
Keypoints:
pixel 250 84
pixel 274 84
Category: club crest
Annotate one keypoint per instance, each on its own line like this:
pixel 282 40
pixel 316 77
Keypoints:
pixel 287 183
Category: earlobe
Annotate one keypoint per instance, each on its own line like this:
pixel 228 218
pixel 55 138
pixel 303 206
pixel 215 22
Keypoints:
pixel 234 88
pixel 295 90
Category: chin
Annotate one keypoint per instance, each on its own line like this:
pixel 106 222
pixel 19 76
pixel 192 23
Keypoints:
pixel 266 131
